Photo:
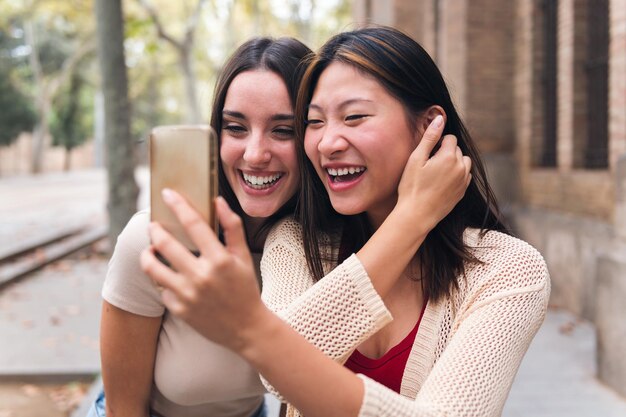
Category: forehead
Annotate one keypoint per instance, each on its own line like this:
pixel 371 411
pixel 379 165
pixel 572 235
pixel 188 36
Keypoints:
pixel 343 81
pixel 256 86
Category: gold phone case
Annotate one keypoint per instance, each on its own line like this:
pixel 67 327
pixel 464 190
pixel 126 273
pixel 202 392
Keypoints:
pixel 184 159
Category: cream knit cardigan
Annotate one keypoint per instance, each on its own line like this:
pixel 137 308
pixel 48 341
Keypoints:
pixel 468 347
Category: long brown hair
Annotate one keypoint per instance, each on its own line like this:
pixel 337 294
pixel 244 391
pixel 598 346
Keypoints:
pixel 282 56
pixel 409 74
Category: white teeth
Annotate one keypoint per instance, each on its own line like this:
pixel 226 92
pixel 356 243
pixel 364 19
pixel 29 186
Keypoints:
pixel 344 171
pixel 260 181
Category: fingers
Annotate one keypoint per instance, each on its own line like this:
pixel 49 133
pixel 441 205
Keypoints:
pixel 467 162
pixel 161 274
pixel 195 226
pixel 430 138
pixel 179 257
pixel 232 226
pixel 172 302
pixel 459 163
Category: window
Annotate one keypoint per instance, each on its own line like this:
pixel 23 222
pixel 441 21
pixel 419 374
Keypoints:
pixel 596 149
pixel 549 26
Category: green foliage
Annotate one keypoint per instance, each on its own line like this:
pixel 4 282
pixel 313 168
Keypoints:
pixel 72 118
pixel 16 111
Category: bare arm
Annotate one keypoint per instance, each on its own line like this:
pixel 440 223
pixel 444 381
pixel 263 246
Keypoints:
pixel 128 345
pixel 132 311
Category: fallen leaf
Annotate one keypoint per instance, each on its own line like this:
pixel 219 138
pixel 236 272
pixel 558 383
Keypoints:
pixel 40 255
pixel 68 396
pixel 72 310
pixel 62 266
pixel 50 342
pixel 28 324
pixel 30 390
pixel 567 328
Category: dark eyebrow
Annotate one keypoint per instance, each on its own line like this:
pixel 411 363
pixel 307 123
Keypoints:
pixel 235 114
pixel 343 103
pixel 239 115
pixel 278 117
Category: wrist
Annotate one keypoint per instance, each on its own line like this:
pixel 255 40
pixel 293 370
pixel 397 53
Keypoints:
pixel 262 329
pixel 414 223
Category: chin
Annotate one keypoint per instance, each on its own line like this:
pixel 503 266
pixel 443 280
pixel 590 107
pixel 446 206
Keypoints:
pixel 261 211
pixel 348 210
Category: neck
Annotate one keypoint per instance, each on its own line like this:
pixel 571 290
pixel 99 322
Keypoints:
pixel 378 215
pixel 410 281
pixel 253 225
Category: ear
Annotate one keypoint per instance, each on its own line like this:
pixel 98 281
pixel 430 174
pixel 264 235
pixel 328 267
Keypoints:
pixel 426 118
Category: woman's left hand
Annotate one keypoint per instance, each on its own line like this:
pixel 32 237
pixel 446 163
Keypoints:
pixel 216 293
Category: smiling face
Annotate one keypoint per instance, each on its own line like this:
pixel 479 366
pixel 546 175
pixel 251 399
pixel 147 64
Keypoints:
pixel 359 140
pixel 257 142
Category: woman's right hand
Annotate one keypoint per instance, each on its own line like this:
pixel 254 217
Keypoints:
pixel 431 187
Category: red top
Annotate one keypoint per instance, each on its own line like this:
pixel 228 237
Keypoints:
pixel 389 368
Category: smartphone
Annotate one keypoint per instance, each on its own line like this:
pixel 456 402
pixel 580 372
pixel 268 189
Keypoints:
pixel 183 158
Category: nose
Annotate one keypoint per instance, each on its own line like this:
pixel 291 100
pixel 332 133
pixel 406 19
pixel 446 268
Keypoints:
pixel 257 150
pixel 332 142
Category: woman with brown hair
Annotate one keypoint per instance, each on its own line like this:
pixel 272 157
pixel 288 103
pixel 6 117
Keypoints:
pixel 152 362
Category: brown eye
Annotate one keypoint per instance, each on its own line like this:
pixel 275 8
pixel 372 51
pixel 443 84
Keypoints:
pixel 234 129
pixel 284 132
pixel 353 117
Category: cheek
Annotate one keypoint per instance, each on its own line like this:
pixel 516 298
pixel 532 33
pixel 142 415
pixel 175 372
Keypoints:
pixel 230 151
pixel 310 146
pixel 288 157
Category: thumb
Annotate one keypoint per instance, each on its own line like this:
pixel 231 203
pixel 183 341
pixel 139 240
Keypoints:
pixel 430 139
pixel 232 226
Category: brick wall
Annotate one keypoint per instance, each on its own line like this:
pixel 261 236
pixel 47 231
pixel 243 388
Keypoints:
pixel 452 49
pixel 617 81
pixel 410 18
pixel 490 68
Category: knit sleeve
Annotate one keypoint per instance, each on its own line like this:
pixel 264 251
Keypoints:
pixel 502 310
pixel 336 314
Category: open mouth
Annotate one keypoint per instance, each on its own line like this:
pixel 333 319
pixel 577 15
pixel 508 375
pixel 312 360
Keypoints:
pixel 260 182
pixel 345 174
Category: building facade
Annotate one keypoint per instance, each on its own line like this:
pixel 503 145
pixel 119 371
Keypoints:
pixel 542 87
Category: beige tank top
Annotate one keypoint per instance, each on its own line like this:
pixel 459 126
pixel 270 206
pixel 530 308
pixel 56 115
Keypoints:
pixel 193 377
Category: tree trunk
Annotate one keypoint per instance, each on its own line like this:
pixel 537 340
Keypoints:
pixel 38 142
pixel 193 113
pixel 67 163
pixel 120 150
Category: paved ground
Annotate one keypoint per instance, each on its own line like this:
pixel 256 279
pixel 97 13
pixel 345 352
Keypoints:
pixel 30 206
pixel 557 376
pixel 49 321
